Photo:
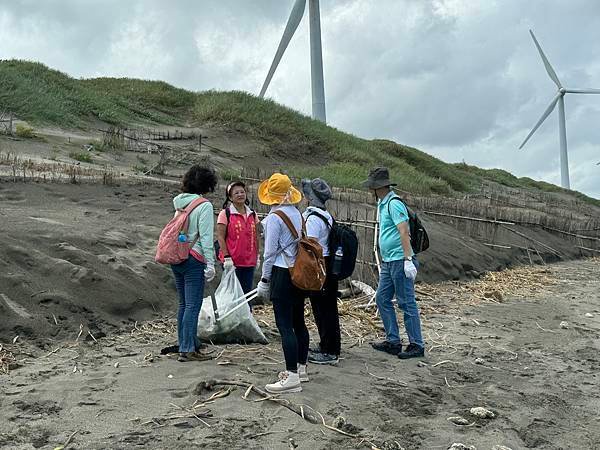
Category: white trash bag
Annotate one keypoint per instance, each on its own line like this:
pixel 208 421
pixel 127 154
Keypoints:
pixel 235 327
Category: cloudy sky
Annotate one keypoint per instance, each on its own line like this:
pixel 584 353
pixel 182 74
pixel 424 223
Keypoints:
pixel 460 79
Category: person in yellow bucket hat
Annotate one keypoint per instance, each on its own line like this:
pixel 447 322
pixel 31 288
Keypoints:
pixel 278 190
pixel 280 251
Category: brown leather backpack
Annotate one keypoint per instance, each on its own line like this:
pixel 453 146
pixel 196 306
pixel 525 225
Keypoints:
pixel 308 272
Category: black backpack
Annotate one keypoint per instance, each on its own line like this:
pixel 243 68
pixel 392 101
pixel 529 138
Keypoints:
pixel 341 236
pixel 419 241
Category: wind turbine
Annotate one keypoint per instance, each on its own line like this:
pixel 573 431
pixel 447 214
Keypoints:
pixel 562 130
pixel 316 57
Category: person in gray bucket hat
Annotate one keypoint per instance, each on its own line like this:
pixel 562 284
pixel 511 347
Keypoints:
pixel 324 303
pixel 398 269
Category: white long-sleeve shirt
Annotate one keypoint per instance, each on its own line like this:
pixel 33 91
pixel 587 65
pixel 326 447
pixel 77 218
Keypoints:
pixel 317 228
pixel 277 237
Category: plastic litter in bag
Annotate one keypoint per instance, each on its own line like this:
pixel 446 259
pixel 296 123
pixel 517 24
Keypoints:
pixel 239 327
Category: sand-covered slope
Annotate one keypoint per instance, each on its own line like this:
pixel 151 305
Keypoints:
pixel 79 254
pixel 82 254
pixel 538 378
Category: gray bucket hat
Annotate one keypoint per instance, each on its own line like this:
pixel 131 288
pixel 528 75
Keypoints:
pixel 317 191
pixel 378 177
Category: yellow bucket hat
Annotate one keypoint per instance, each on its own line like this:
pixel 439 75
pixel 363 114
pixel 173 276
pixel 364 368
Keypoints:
pixel 277 190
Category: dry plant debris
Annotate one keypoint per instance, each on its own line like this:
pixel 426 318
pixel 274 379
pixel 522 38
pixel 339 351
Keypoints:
pixel 493 287
pixel 7 360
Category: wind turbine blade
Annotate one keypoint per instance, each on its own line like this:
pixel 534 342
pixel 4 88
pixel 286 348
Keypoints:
pixel 549 109
pixel 549 69
pixel 583 91
pixel 290 29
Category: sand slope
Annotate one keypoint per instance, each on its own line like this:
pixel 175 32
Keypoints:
pixel 513 358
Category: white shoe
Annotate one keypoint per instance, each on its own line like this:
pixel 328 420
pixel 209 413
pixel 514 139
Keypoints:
pixel 302 373
pixel 288 382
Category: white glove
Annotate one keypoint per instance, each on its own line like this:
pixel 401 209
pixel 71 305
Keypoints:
pixel 209 272
pixel 263 290
pixel 228 263
pixel 257 261
pixel 410 270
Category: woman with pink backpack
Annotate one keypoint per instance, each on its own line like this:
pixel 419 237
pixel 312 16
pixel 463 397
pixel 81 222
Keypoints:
pixel 192 273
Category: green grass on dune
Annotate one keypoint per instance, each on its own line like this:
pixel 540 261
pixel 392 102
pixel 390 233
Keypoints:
pixel 48 97
pixel 350 157
pixel 508 179
pixel 45 96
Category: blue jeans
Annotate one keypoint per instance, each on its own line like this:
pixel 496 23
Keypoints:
pixel 189 280
pixel 245 275
pixel 393 281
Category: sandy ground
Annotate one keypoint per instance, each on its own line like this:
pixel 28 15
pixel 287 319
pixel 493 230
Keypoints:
pixel 512 356
pixel 85 311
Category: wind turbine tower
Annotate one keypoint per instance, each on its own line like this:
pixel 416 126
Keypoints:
pixel 562 129
pixel 316 55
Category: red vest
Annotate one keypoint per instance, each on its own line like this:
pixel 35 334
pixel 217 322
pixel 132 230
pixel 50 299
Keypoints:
pixel 241 239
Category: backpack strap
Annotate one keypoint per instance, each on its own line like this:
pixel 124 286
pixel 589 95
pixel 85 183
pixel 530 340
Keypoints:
pixel 320 216
pixel 227 216
pixel 283 216
pixel 188 210
pixel 193 204
pixel 395 197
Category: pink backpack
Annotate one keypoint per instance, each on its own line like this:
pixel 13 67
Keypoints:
pixel 170 250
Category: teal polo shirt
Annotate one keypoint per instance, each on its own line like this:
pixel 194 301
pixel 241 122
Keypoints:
pixel 390 215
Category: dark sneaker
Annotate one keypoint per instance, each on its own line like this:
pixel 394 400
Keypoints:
pixel 193 356
pixel 315 349
pixel 169 349
pixel 175 348
pixel 412 351
pixel 323 358
pixel 393 348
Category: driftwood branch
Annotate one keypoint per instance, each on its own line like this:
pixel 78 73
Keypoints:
pixel 306 414
pixel 532 240
pixel 587 248
pixel 579 236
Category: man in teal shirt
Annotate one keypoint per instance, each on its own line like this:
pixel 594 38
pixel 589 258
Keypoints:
pixel 398 270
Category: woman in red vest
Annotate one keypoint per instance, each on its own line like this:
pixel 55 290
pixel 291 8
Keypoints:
pixel 237 235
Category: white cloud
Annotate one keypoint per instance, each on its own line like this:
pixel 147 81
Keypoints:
pixel 459 79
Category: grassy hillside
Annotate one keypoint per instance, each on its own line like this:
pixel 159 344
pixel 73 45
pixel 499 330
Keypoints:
pixel 44 96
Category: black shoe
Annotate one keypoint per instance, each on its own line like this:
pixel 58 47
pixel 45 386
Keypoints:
pixel 323 358
pixel 193 356
pixel 412 351
pixel 169 349
pixel 315 349
pixel 392 348
pixel 175 348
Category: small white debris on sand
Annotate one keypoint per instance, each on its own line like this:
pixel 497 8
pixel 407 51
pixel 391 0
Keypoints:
pixel 457 420
pixel 589 315
pixel 483 413
pixel 459 446
pixel 479 361
pixel 564 325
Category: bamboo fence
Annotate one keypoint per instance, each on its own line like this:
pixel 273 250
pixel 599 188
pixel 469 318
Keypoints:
pixel 498 220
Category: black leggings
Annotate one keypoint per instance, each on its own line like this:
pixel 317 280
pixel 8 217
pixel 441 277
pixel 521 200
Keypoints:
pixel 288 305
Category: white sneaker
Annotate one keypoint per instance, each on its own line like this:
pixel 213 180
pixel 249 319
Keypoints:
pixel 288 382
pixel 302 373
